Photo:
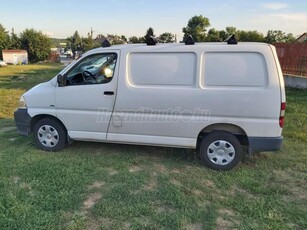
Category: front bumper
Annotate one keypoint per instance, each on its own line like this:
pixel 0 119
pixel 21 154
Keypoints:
pixel 22 121
pixel 264 144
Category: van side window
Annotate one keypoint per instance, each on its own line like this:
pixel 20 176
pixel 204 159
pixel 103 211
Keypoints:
pixel 234 69
pixel 163 69
pixel 94 69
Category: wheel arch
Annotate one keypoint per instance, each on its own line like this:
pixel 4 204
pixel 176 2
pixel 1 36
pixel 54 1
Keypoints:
pixel 39 117
pixel 227 127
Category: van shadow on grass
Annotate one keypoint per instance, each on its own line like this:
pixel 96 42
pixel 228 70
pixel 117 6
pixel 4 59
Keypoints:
pixel 154 153
pixel 157 154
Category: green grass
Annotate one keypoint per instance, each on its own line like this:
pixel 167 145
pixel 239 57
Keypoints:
pixel 15 80
pixel 110 186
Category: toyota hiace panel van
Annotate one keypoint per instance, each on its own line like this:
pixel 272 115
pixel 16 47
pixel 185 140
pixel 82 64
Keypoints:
pixel 216 97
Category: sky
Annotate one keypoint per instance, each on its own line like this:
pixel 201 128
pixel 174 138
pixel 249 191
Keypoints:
pixel 59 19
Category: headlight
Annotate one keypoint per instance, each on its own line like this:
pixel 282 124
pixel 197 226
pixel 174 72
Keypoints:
pixel 22 103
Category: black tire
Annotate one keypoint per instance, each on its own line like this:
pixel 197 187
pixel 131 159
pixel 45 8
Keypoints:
pixel 220 150
pixel 49 135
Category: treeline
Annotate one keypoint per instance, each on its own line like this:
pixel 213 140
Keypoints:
pixel 78 43
pixel 39 45
pixel 198 27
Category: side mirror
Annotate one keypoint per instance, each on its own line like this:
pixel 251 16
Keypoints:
pixel 61 80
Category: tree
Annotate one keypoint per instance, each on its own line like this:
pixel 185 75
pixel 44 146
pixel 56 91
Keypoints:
pixel 167 38
pixel 290 38
pixel 278 36
pixel 123 38
pixel 223 35
pixel 116 40
pixel 4 40
pixel 197 27
pixel 36 43
pixel 87 43
pixel 75 43
pixel 134 39
pixel 149 33
pixel 250 36
pixel 213 36
pixel 230 30
pixel 15 41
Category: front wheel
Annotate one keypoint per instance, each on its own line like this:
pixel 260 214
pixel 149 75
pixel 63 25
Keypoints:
pixel 49 135
pixel 220 150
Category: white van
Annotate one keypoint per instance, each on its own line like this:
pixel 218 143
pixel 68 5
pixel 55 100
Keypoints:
pixel 212 96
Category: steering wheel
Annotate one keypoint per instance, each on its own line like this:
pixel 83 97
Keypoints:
pixel 88 76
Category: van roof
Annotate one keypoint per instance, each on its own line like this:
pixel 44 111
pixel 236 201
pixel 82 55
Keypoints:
pixel 172 45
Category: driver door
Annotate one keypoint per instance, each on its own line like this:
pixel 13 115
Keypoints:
pixel 85 104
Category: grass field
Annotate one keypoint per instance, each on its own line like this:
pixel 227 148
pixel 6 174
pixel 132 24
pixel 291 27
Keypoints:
pixel 110 186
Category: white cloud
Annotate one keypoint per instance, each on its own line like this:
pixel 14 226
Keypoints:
pixel 299 18
pixel 49 34
pixel 275 6
pixel 288 22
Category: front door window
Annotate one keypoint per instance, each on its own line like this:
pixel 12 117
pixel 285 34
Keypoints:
pixel 94 69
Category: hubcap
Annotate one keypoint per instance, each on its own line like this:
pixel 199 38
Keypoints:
pixel 221 152
pixel 48 136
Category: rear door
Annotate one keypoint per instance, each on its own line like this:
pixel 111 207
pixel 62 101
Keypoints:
pixel 86 103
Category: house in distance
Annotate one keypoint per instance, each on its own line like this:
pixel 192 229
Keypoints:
pixel 302 38
pixel 15 57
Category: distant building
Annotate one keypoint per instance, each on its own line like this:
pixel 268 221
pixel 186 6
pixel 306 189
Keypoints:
pixel 15 57
pixel 302 38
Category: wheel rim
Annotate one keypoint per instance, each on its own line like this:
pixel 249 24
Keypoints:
pixel 221 152
pixel 48 136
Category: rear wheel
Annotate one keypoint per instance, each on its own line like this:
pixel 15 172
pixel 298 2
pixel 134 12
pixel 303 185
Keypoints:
pixel 220 150
pixel 49 135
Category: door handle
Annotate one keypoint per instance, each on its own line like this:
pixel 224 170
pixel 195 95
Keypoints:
pixel 109 93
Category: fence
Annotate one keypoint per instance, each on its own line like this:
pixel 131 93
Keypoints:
pixel 292 58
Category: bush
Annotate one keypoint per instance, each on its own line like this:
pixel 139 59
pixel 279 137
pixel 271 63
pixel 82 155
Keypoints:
pixel 36 43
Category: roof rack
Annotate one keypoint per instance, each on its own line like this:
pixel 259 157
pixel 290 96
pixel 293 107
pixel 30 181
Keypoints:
pixel 105 43
pixel 152 41
pixel 189 40
pixel 231 40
